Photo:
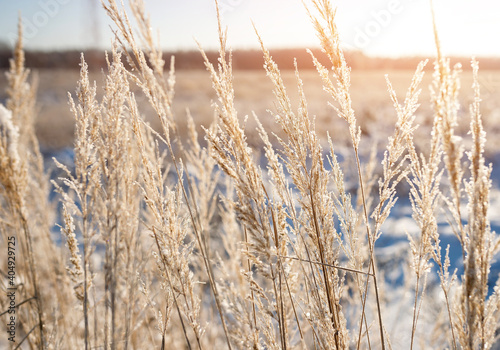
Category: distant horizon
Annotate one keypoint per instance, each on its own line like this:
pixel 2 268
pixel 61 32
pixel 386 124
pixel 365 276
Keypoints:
pixel 378 28
pixel 9 48
pixel 250 59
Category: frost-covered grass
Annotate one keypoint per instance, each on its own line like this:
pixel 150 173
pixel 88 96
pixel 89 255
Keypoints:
pixel 253 240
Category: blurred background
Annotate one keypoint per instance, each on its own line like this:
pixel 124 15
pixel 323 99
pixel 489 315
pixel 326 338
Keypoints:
pixel 379 37
pixel 392 28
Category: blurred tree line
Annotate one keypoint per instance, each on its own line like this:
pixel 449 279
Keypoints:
pixel 242 59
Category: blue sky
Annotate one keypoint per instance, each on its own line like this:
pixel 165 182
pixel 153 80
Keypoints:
pixel 378 27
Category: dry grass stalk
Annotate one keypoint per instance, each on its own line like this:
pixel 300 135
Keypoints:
pixel 303 159
pixel 232 153
pixel 477 311
pixel 159 91
pixel 329 38
pixel 16 177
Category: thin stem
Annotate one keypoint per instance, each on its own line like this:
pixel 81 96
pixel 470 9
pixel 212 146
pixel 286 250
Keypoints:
pixel 38 298
pixel 371 260
pixel 414 323
pixel 332 307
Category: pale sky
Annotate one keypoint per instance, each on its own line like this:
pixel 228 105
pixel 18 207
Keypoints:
pixel 377 27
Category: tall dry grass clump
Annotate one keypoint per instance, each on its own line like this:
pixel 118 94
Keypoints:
pixel 164 241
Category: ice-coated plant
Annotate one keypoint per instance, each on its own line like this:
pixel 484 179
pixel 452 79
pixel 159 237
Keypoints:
pixel 174 242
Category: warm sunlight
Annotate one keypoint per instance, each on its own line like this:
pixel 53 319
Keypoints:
pixel 247 193
pixel 377 27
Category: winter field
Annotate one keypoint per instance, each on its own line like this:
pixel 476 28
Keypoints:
pixel 308 209
pixel 254 93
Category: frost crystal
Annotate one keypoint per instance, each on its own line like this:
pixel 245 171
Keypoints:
pixel 9 134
